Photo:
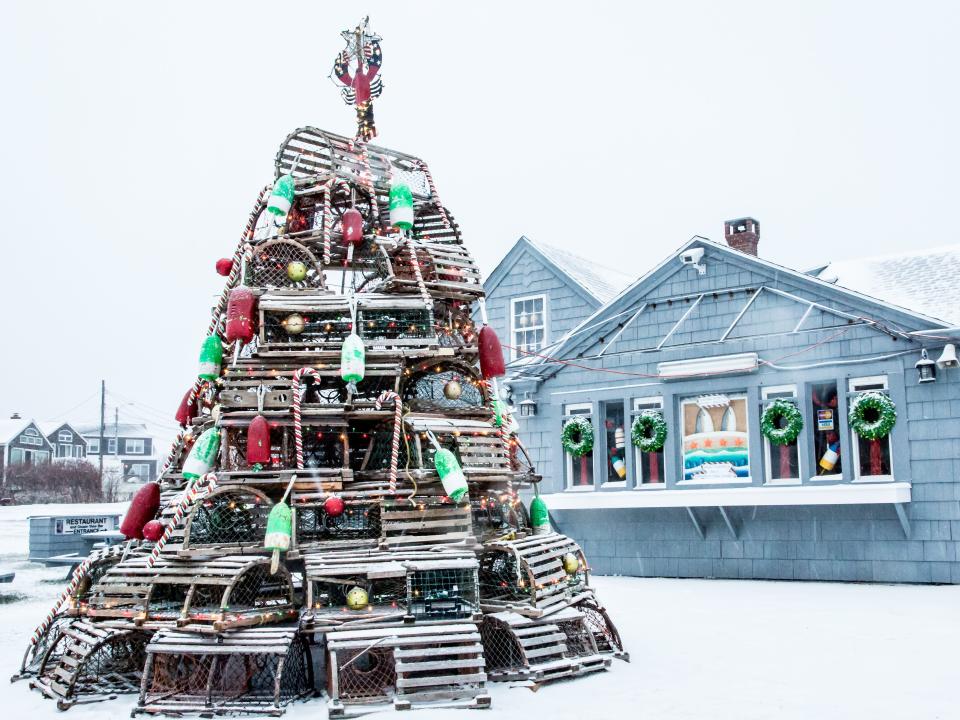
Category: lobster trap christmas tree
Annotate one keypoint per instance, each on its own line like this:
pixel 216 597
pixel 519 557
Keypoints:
pixel 340 513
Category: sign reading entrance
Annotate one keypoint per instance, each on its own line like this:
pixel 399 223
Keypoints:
pixel 85 524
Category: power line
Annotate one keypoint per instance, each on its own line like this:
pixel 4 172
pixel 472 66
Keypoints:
pixel 78 405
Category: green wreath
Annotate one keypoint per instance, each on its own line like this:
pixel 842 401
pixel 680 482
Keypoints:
pixel 872 415
pixel 577 436
pixel 781 422
pixel 649 431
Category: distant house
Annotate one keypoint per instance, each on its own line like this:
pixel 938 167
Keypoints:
pixel 127 446
pixel 538 293
pixel 707 340
pixel 22 442
pixel 66 440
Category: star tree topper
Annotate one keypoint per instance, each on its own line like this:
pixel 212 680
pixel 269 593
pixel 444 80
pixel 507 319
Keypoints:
pixel 363 50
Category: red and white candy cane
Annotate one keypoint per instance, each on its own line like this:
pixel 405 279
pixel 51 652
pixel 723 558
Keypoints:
pixel 331 185
pixel 433 192
pixel 385 397
pixel 200 486
pixel 298 381
pixel 78 575
pixel 366 175
pixel 493 393
pixel 418 273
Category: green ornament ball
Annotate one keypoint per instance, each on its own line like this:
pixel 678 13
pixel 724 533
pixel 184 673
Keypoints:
pixel 296 271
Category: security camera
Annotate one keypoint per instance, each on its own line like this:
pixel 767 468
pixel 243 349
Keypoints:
pixel 693 257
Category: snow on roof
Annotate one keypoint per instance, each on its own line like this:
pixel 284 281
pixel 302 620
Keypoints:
pixel 10 428
pixel 600 281
pixel 924 281
pixel 123 429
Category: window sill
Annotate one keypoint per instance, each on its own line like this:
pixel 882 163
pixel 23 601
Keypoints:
pixel 718 481
pixel 873 479
pixel 844 494
pixel 783 482
pixel 614 485
pixel 651 486
pixel 580 488
pixel 826 478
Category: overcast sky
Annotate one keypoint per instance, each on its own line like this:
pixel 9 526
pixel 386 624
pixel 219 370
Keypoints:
pixel 135 137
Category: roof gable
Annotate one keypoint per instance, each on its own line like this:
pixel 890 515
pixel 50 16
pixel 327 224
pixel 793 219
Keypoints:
pixel 595 283
pixel 768 297
pixel 10 430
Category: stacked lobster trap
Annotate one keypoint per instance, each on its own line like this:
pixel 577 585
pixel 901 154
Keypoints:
pixel 340 514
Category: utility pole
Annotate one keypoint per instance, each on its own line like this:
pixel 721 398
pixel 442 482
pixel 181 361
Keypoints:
pixel 103 411
pixel 116 430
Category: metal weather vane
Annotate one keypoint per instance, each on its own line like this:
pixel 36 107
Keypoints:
pixel 363 84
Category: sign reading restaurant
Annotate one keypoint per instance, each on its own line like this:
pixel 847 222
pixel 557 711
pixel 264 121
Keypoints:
pixel 83 524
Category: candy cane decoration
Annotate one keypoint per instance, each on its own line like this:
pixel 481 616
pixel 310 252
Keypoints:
pixel 501 429
pixel 78 575
pixel 201 486
pixel 385 397
pixel 298 378
pixel 418 274
pixel 366 175
pixel 332 183
pixel 433 193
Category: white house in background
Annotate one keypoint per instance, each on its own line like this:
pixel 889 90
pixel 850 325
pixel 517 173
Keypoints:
pixel 22 442
pixel 66 440
pixel 128 447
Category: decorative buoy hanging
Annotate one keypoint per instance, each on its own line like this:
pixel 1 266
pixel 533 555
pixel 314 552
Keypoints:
pixel 258 434
pixel 143 508
pixel 451 474
pixel 153 530
pixel 401 206
pixel 224 266
pixel 281 198
pixel 279 528
pixel 241 307
pixel 539 516
pixel 352 354
pixel 188 408
pixel 211 355
pixel 351 225
pixel 491 354
pixel 203 454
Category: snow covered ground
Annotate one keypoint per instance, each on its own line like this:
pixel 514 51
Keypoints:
pixel 699 649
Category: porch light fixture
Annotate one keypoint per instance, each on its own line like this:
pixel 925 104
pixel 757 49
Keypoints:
pixel 948 358
pixel 528 407
pixel 926 369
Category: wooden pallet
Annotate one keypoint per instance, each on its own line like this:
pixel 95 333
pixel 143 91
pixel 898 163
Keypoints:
pixel 424 522
pixel 91 663
pixel 435 665
pixel 539 584
pixel 205 596
pixel 522 648
pixel 252 671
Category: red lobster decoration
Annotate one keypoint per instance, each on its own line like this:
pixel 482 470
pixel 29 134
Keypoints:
pixel 363 85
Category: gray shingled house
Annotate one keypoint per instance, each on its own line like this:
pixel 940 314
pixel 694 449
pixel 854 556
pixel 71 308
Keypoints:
pixel 709 339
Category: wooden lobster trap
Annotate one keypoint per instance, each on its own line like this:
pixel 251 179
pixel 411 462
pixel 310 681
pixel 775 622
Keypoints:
pixel 418 666
pixel 447 270
pixel 315 528
pixel 532 576
pixel 389 325
pixel 284 264
pixel 499 516
pixel 450 387
pixel 422 522
pixel 561 645
pixel 401 586
pixel 205 596
pixel 254 670
pixel 87 662
pixel 230 520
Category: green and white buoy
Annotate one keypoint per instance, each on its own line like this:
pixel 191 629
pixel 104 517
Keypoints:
pixel 202 455
pixel 281 199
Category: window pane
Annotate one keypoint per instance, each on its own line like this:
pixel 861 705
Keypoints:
pixel 826 430
pixel 874 456
pixel 616 467
pixel 580 469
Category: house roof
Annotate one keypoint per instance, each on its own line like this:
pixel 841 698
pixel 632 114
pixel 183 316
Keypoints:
pixel 48 427
pixel 596 281
pixel 576 337
pixel 135 430
pixel 920 280
pixel 10 428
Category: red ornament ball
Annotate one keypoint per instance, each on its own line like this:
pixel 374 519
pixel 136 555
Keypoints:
pixel 153 530
pixel 143 507
pixel 224 266
pixel 334 506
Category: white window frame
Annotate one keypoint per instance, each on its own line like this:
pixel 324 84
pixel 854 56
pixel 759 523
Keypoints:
pixel 568 410
pixel 31 437
pixel 65 450
pixel 112 446
pixel 693 482
pixel 787 392
pixel 856 385
pixel 604 482
pixel 513 320
pixel 140 449
pixel 65 436
pixel 93 446
pixel 654 402
pixel 18 456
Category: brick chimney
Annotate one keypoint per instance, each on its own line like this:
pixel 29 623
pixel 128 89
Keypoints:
pixel 742 234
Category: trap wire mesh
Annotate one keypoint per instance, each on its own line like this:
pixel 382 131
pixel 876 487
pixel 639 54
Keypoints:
pixel 443 594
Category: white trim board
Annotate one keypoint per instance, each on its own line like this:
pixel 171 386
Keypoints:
pixel 861 494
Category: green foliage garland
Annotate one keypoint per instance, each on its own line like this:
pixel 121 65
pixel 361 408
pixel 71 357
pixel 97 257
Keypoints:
pixel 776 411
pixel 577 436
pixel 872 415
pixel 649 431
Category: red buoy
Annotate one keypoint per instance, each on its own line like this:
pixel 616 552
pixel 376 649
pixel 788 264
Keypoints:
pixel 153 530
pixel 491 354
pixel 143 507
pixel 334 506
pixel 258 441
pixel 352 226
pixel 224 266
pixel 187 410
pixel 240 309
